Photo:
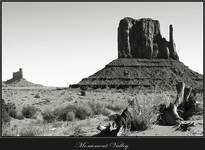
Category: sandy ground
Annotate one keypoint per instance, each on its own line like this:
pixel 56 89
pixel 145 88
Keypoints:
pixel 51 98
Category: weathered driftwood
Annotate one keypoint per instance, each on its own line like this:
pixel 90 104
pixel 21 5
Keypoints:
pixel 188 107
pixel 120 125
pixel 181 108
pixel 109 131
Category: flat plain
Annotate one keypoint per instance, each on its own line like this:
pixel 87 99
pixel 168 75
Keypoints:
pixel 67 112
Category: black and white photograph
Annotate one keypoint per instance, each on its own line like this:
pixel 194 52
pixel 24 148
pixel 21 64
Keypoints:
pixel 102 69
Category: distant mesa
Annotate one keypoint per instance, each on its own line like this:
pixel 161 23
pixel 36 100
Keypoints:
pixel 18 81
pixel 145 60
pixel 17 76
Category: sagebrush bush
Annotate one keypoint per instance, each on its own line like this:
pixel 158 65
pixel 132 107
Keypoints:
pixel 98 108
pixel 5 116
pixel 71 112
pixel 83 111
pixel 61 113
pixel 48 116
pixel 13 113
pixel 8 110
pixel 19 116
pixel 143 116
pixel 11 109
pixel 142 122
pixel 70 116
pixel 29 111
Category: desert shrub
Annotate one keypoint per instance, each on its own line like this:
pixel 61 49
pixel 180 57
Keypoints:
pixel 5 115
pixel 105 112
pixel 19 116
pixel 11 109
pixel 29 111
pixel 61 113
pixel 71 112
pixel 143 116
pixel 70 116
pixel 13 113
pixel 8 110
pixel 142 121
pixel 83 111
pixel 79 111
pixel 98 108
pixel 48 116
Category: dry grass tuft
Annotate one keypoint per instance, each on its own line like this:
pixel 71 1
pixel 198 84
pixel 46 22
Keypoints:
pixel 145 112
pixel 48 116
pixel 98 108
pixel 8 130
pixel 31 131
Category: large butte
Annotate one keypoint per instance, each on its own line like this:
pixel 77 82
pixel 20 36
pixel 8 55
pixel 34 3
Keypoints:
pixel 145 60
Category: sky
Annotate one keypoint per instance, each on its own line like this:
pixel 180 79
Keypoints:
pixel 58 44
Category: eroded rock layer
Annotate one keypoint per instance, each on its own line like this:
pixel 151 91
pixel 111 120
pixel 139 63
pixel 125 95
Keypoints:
pixel 143 73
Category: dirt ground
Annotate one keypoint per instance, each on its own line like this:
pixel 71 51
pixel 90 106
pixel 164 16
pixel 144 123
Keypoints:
pixel 50 98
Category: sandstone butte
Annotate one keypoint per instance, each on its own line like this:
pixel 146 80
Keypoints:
pixel 145 60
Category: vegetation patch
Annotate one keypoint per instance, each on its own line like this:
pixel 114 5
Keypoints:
pixel 76 111
pixel 30 131
pixel 8 110
pixel 29 111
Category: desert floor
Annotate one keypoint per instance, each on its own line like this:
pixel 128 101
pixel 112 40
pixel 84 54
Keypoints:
pixel 107 102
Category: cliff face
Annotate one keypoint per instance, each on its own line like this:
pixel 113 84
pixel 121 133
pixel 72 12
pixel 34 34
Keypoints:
pixel 142 39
